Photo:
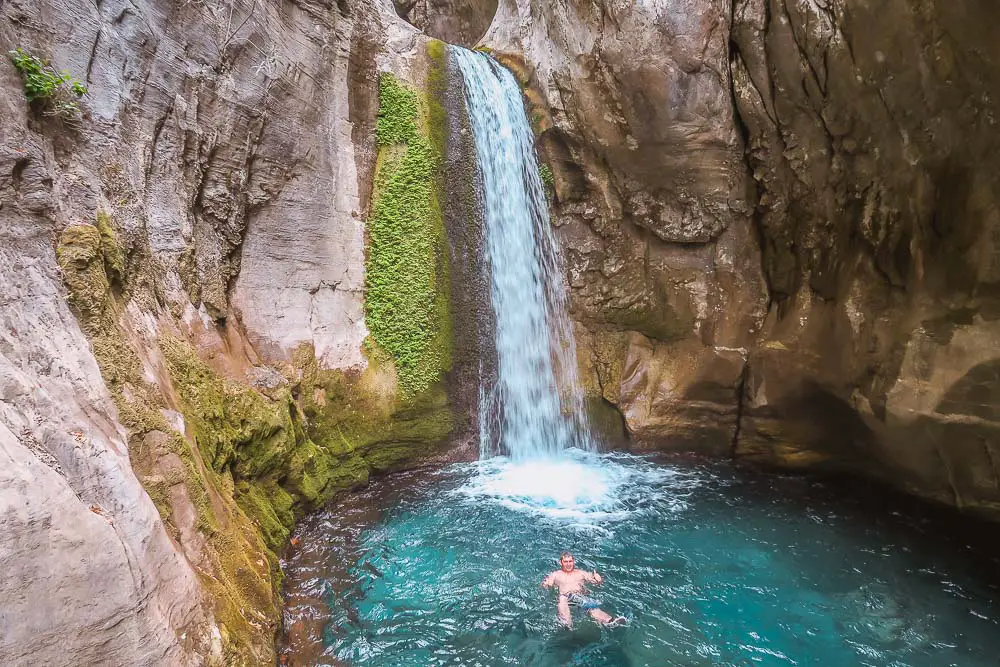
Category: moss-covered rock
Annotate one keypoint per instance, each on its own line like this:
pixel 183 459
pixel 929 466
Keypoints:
pixel 111 249
pixel 236 567
pixel 81 258
pixel 548 179
pixel 406 268
pixel 242 464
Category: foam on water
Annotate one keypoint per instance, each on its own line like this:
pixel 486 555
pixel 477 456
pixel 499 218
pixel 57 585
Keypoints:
pixel 715 568
pixel 578 486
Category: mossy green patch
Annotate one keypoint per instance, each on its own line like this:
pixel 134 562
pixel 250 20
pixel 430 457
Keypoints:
pixel 548 179
pixel 398 110
pixel 287 455
pixel 114 256
pixel 406 278
pixel 364 429
pixel 437 87
pixel 239 571
pixel 81 259
pixel 250 436
pixel 250 463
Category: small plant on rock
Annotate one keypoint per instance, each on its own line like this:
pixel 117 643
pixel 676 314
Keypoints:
pixel 57 93
pixel 548 179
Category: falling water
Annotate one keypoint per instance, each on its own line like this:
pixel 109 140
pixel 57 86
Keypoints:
pixel 535 408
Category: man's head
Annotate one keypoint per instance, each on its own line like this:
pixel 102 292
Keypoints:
pixel 567 562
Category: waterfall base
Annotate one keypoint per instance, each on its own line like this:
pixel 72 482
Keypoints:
pixel 712 565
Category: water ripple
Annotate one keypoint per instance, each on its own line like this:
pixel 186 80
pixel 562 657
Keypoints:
pixel 712 567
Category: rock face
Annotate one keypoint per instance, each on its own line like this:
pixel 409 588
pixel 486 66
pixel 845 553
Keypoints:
pixel 873 141
pixel 461 22
pixel 779 218
pixel 779 225
pixel 82 543
pixel 183 359
pixel 653 201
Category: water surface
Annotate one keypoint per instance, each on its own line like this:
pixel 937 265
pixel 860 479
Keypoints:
pixel 713 566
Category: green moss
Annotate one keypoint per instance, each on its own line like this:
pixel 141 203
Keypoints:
pixel 398 110
pixel 548 179
pixel 253 463
pixel 244 433
pixel 270 507
pixel 363 430
pixel 114 256
pixel 81 259
pixel 240 572
pixel 437 87
pixel 406 278
pixel 287 456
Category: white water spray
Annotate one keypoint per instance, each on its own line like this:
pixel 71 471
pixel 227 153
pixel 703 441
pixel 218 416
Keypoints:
pixel 536 407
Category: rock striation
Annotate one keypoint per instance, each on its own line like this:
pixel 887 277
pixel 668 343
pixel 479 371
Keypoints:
pixel 186 366
pixel 809 186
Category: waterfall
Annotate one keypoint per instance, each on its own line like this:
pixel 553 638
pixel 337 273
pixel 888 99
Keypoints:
pixel 535 407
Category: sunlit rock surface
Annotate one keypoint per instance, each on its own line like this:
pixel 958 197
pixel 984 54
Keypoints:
pixel 196 237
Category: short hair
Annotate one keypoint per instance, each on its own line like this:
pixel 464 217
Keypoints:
pixel 564 554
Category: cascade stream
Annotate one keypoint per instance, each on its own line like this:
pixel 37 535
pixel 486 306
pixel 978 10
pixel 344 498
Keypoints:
pixel 536 407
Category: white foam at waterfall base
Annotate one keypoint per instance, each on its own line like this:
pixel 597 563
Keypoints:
pixel 578 486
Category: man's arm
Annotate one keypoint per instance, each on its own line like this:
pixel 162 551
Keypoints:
pixel 549 581
pixel 595 578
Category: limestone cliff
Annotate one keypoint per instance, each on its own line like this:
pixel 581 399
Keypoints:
pixel 461 22
pixel 873 141
pixel 186 365
pixel 779 219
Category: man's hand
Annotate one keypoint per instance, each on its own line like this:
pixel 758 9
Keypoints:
pixel 549 581
pixel 597 579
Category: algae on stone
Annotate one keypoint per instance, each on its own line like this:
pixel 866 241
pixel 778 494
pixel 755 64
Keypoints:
pixel 231 482
pixel 406 272
pixel 237 568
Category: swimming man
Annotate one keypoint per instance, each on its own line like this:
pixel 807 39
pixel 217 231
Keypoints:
pixel 572 592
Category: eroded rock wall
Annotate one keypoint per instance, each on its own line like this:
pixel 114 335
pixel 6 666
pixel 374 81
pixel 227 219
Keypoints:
pixel 653 202
pixel 778 221
pixel 873 139
pixel 185 362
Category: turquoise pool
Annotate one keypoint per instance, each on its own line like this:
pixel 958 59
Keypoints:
pixel 712 565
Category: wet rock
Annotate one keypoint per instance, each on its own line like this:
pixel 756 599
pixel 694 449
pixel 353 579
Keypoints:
pixel 873 146
pixel 812 183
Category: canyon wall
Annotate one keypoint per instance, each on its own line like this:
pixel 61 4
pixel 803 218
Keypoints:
pixel 188 362
pixel 228 279
pixel 780 222
pixel 461 22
